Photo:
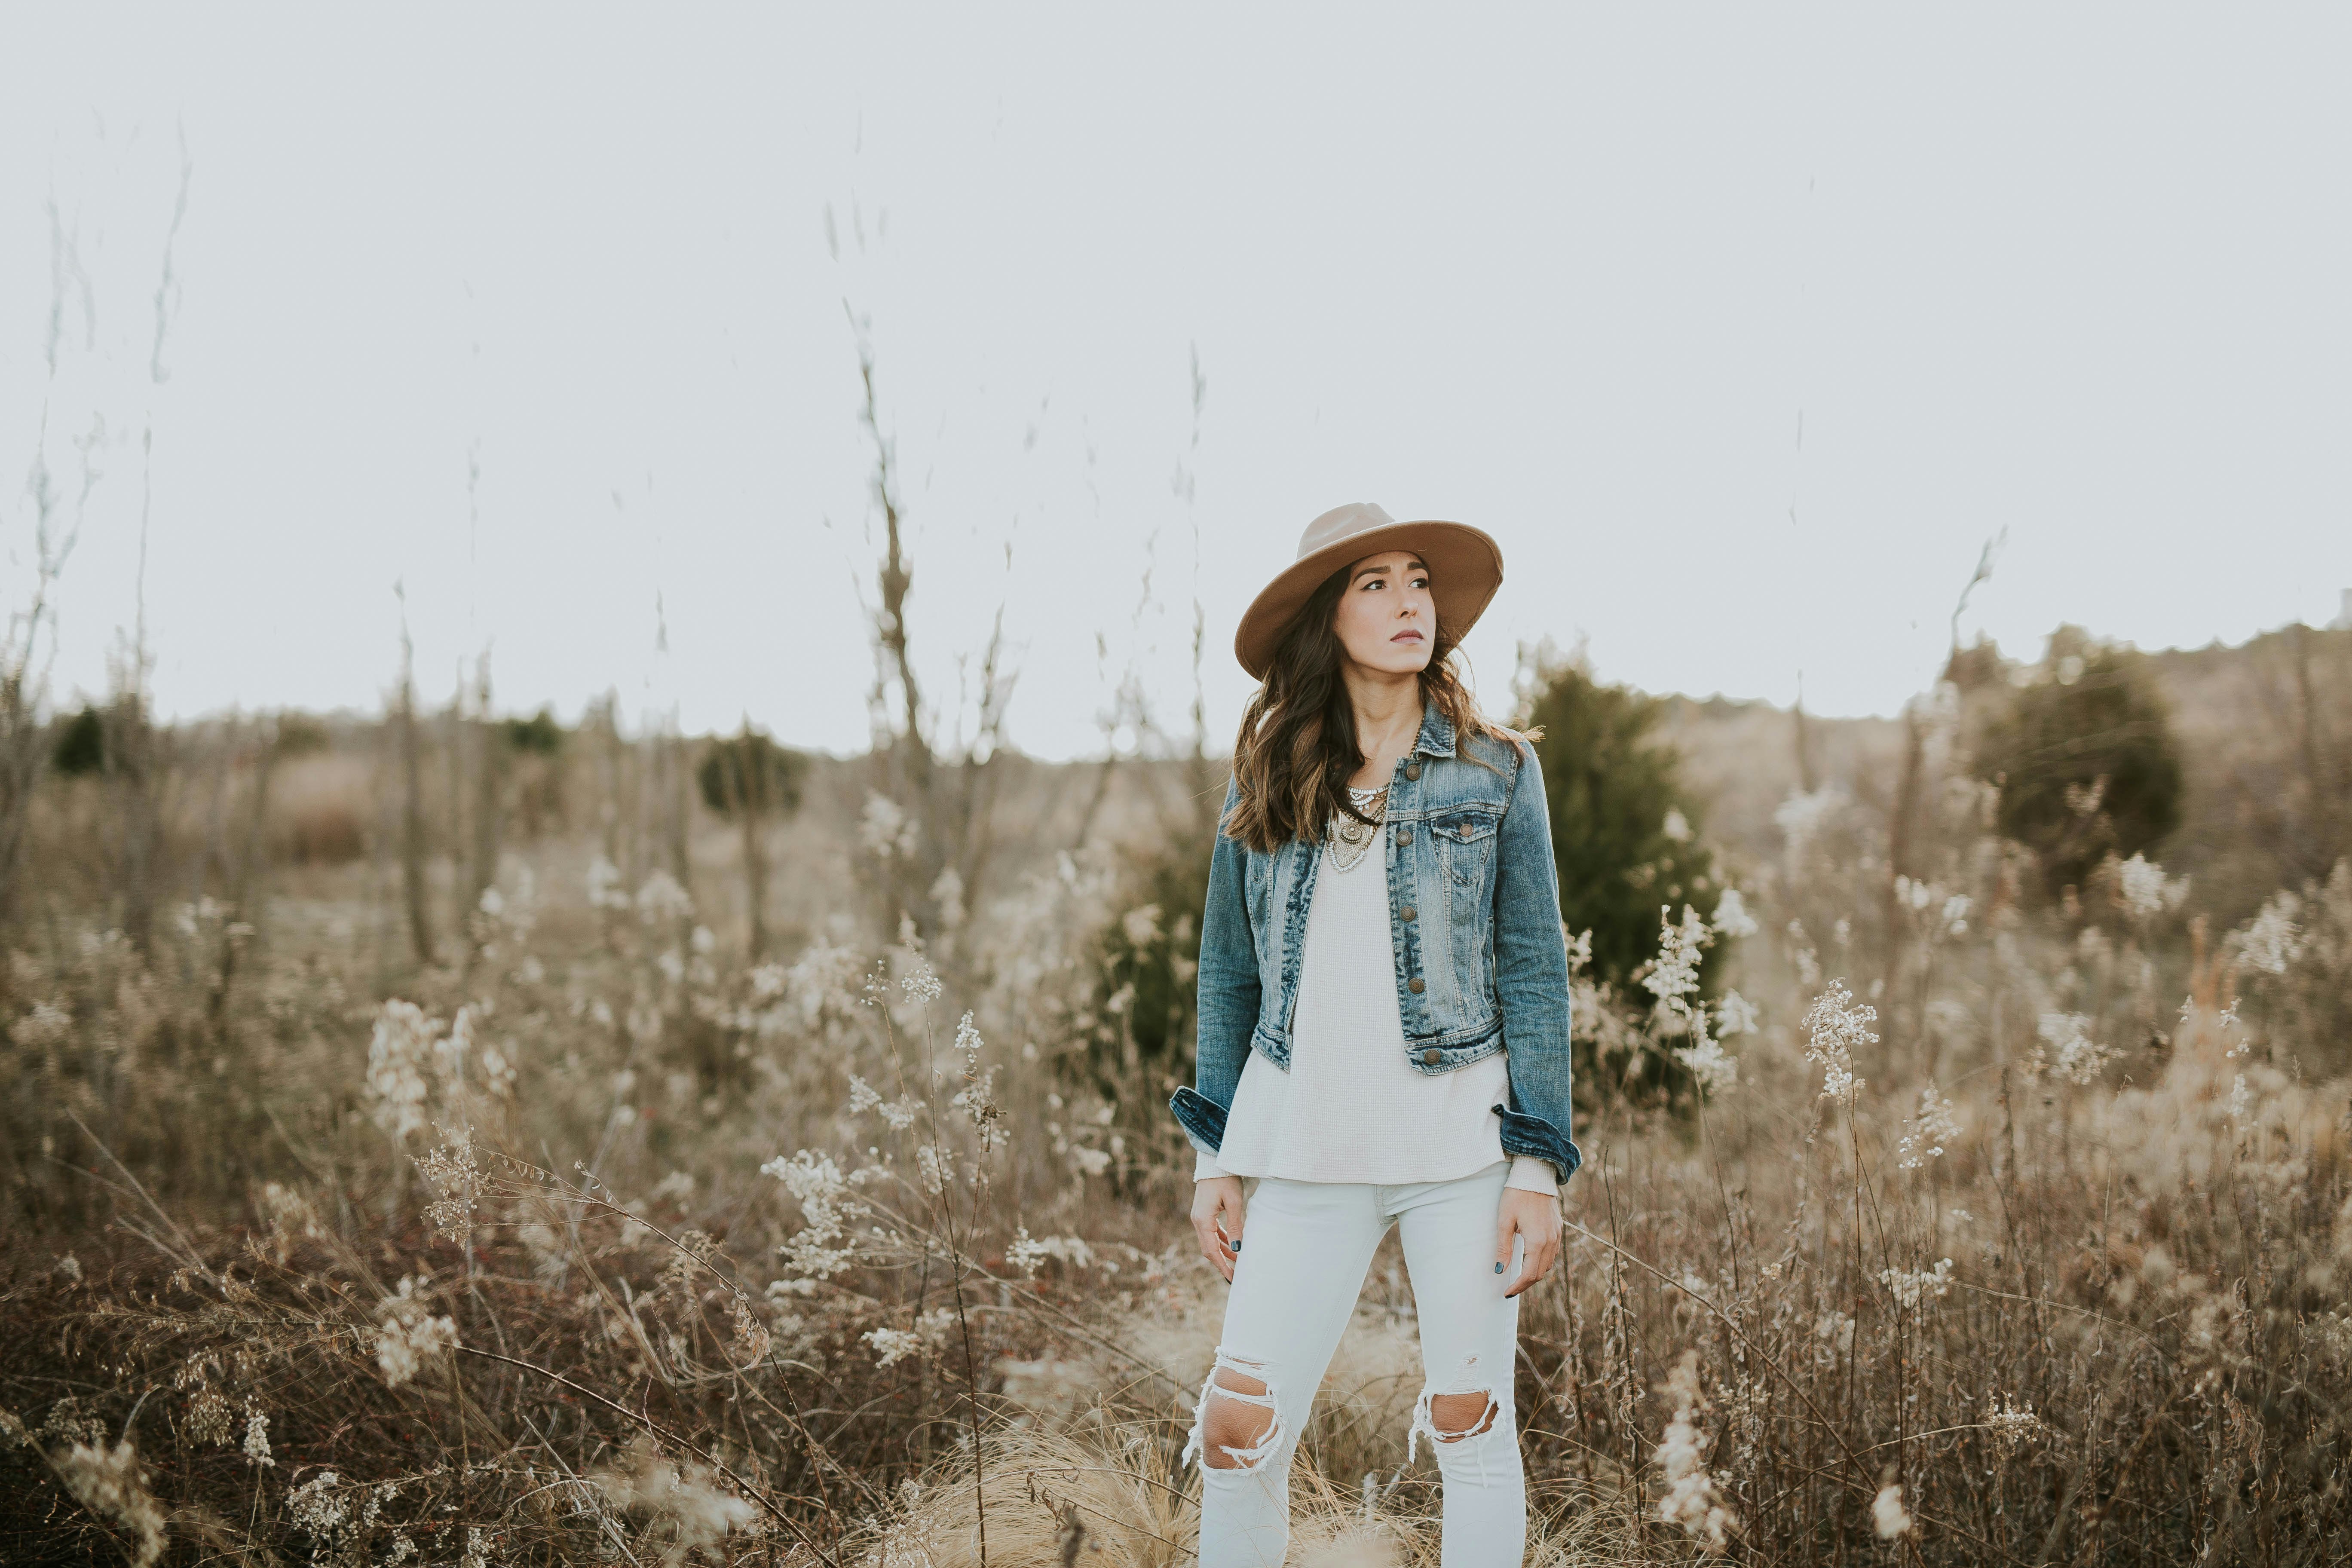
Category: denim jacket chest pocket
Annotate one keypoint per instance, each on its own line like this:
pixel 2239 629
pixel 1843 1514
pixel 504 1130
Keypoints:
pixel 1454 879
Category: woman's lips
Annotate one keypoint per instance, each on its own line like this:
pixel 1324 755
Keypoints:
pixel 1406 636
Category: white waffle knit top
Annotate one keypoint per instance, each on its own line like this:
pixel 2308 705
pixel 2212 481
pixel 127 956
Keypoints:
pixel 1351 1107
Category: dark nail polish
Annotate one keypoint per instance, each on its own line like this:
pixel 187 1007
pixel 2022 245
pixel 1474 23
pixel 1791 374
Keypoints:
pixel 1235 1243
pixel 1498 1267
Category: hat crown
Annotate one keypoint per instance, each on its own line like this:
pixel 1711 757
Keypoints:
pixel 1338 523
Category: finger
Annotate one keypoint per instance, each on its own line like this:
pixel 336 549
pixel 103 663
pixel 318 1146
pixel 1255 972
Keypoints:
pixel 1213 1246
pixel 1235 1218
pixel 1506 1223
pixel 1522 1278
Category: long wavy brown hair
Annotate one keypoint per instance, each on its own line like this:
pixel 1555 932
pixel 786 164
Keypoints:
pixel 1298 747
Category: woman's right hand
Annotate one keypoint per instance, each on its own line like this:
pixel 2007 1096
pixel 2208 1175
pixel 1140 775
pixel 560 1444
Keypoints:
pixel 1217 1221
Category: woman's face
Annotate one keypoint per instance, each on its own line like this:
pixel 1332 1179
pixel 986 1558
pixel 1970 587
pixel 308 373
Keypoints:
pixel 1386 620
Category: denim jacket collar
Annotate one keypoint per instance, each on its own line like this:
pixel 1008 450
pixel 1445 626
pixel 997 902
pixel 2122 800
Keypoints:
pixel 1437 737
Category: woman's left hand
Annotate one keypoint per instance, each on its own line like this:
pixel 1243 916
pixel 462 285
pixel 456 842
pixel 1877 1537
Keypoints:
pixel 1535 1216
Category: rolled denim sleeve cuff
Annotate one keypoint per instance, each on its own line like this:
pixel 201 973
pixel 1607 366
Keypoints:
pixel 1532 1135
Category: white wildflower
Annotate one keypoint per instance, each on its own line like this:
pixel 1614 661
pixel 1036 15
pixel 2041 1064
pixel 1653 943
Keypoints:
pixel 1835 1027
pixel 1955 914
pixel 863 1096
pixel 934 1168
pixel 662 900
pixel 891 1344
pixel 2274 940
pixel 1937 1125
pixel 1028 1253
pixel 604 886
pixel 1693 1497
pixel 1803 819
pixel 2141 888
pixel 1731 916
pixel 2241 1100
pixel 319 1507
pixel 822 1192
pixel 256 1438
pixel 2011 1424
pixel 1911 1286
pixel 45 1025
pixel 920 983
pixel 947 892
pixel 902 1112
pixel 108 1482
pixel 210 1417
pixel 68 1422
pixel 685 1502
pixel 1716 1069
pixel 408 1335
pixel 1140 926
pixel 885 828
pixel 1887 1515
pixel 499 1071
pixel 1673 976
pixel 1734 1014
pixel 1676 825
pixel 398 1052
pixel 456 1182
pixel 2080 1060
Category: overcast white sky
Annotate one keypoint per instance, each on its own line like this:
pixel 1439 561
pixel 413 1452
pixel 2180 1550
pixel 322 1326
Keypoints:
pixel 1579 277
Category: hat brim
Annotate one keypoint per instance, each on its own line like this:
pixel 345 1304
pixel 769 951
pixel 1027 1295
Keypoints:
pixel 1465 565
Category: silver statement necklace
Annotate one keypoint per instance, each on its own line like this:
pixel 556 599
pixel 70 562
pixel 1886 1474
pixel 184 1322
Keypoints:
pixel 1351 840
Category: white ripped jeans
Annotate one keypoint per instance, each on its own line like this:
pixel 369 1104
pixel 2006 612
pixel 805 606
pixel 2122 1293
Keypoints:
pixel 1306 1248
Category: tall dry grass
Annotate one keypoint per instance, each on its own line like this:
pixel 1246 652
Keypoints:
pixel 593 1239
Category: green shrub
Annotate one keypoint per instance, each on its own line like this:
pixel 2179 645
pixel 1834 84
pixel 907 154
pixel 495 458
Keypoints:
pixel 2085 758
pixel 1624 835
pixel 81 744
pixel 1148 955
pixel 539 735
pixel 749 772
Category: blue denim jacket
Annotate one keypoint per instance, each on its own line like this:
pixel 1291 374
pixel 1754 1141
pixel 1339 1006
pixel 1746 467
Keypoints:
pixel 1474 923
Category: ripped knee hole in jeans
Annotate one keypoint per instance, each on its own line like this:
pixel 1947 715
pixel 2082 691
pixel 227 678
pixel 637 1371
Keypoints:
pixel 1247 1441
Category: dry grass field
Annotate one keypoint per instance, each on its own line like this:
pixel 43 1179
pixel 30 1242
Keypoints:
pixel 415 1152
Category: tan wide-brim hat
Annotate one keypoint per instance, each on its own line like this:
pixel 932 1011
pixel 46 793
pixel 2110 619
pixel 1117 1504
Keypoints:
pixel 1465 565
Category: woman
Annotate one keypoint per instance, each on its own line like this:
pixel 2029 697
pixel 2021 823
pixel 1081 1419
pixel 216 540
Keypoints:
pixel 1383 1027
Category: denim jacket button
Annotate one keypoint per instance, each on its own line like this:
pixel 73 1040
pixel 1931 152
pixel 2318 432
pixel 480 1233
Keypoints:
pixel 1412 770
pixel 1404 838
pixel 1415 985
pixel 1409 911
pixel 1431 1057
